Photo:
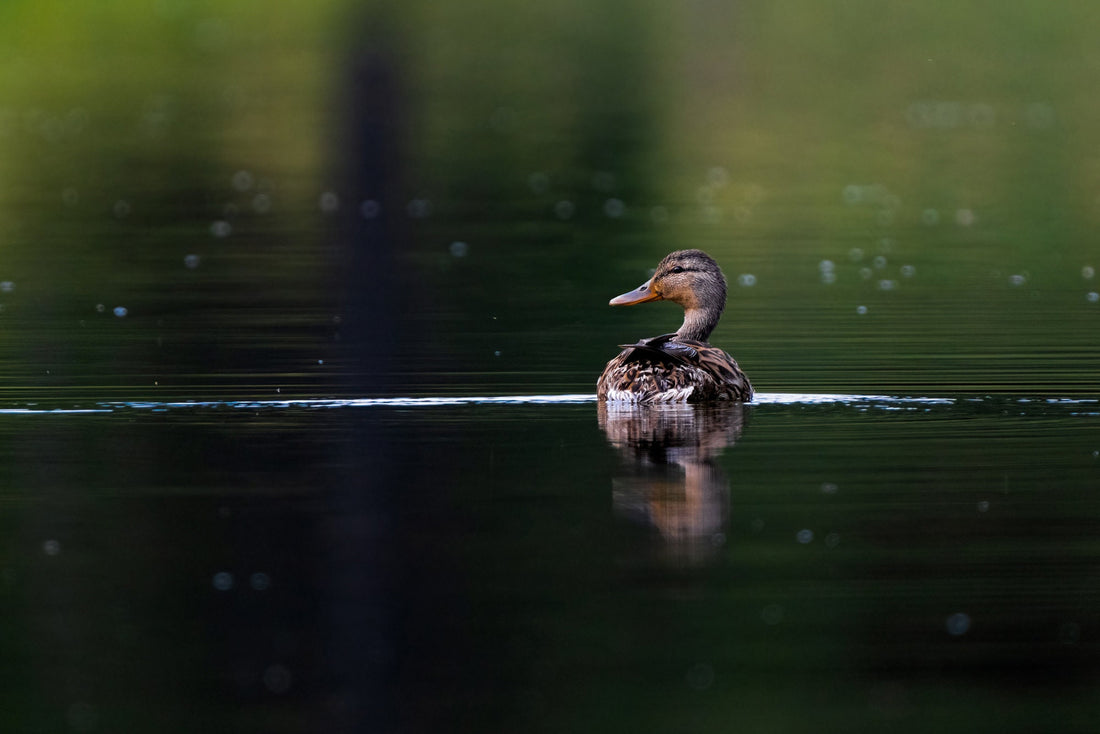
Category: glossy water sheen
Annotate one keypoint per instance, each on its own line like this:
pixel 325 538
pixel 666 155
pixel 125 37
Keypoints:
pixel 301 313
pixel 551 564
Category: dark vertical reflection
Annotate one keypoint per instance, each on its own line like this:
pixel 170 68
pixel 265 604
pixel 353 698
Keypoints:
pixel 360 577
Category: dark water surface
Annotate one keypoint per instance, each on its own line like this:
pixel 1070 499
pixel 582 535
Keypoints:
pixel 802 564
pixel 278 286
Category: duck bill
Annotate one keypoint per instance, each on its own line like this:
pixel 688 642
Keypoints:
pixel 641 294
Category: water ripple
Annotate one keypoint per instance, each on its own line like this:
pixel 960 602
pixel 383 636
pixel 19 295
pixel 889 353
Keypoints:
pixel 1079 406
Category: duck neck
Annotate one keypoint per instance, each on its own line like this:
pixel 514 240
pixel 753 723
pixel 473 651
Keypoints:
pixel 699 323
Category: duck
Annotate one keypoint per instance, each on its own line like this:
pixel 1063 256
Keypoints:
pixel 681 367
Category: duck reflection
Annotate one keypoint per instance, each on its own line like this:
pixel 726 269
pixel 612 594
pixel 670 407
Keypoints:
pixel 672 481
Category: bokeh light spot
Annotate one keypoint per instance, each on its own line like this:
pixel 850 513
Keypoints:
pixel 564 209
pixel 329 202
pixel 614 208
pixel 958 624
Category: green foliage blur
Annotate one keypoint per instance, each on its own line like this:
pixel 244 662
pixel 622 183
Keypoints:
pixel 901 194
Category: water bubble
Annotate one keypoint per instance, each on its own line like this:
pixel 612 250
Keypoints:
pixel 1039 115
pixel 919 114
pixel 852 194
pixel 221 228
pixel 51 547
pixel 539 182
pixel 718 176
pixel 908 271
pixel 564 209
pixel 100 308
pixel 243 180
pixel 7 286
pixel 496 353
pixel 866 273
pixel 887 285
pixel 832 540
pixel 772 614
pixel 1092 296
pixel 930 217
pixel 157 114
pixel 277 678
pixel 329 202
pixel 747 280
pixel 879 262
pixel 1087 272
pixel 885 244
pixel 829 488
pixel 804 536
pixel 875 193
pixel 700 676
pixel 753 193
pixel 981 115
pixel 261 203
pixel 983 506
pixel 1017 279
pixel 459 249
pixel 223 581
pixel 1069 633
pixel 418 208
pixel 958 624
pixel 948 114
pixel 964 217
pixel 121 209
pixel 614 208
pixel 828 278
pixel 259 581
pixel 861 310
pixel 370 209
pixel 826 266
pixel 855 254
pixel 191 261
pixel 120 311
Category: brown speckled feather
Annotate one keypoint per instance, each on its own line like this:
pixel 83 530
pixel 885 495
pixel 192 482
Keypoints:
pixel 645 373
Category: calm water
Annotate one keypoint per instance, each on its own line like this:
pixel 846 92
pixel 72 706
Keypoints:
pixel 799 564
pixel 302 315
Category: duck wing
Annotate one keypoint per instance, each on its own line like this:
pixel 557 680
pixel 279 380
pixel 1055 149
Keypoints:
pixel 664 348
pixel 668 369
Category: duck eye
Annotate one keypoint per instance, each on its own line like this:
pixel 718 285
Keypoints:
pixel 677 269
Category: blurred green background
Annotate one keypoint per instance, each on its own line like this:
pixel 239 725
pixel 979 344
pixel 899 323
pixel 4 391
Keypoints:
pixel 202 165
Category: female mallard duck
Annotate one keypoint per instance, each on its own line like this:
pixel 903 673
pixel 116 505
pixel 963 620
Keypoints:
pixel 681 367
